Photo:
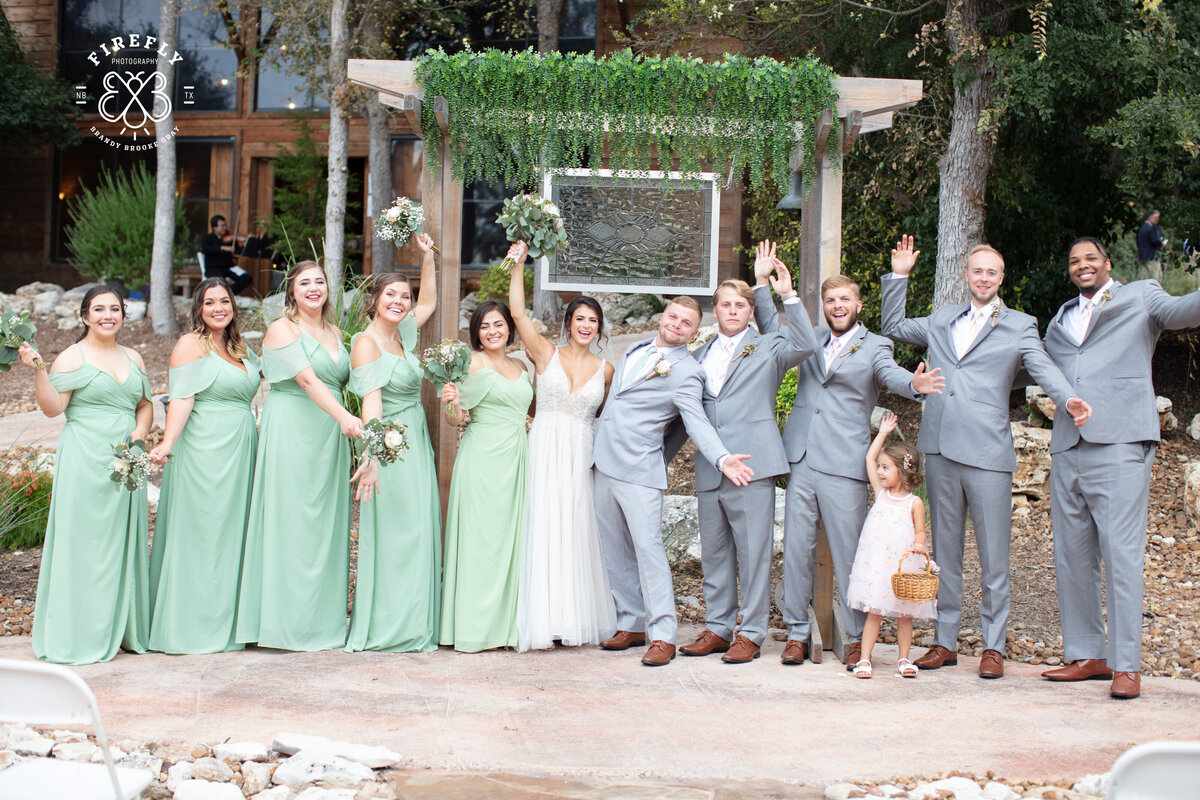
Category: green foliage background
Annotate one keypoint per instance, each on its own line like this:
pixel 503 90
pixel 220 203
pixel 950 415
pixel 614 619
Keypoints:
pixel 34 107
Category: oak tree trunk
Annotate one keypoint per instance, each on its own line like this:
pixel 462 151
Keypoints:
pixel 339 134
pixel 162 260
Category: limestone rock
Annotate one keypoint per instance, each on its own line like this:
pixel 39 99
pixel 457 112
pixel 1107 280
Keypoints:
pixel 39 287
pixel 75 751
pixel 702 335
pixel 1191 491
pixel 321 793
pixel 272 308
pixel 681 532
pixel 1032 446
pixel 178 773
pixel 45 302
pixel 207 790
pixel 142 760
pixel 1193 429
pixel 994 790
pixel 1168 422
pixel 252 336
pixel 843 791
pixel 240 751
pixel 68 323
pixel 115 753
pixel 14 302
pixel 309 767
pixel 256 776
pixel 1092 784
pixel 620 309
pixel 152 494
pixel 211 769
pixel 66 309
pixel 1040 403
pixel 247 302
pixel 375 791
pixel 877 414
pixel 7 759
pixel 368 755
pixel 135 310
pixel 38 747
pixel 69 736
pixel 274 793
pixel 963 789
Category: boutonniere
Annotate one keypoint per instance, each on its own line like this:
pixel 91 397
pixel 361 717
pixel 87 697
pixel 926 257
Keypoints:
pixel 854 348
pixel 747 349
pixel 1104 298
pixel 662 368
pixel 996 313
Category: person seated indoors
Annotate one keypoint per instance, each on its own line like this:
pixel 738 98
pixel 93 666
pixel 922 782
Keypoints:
pixel 218 248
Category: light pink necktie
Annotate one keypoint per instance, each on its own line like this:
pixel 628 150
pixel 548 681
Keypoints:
pixel 1085 319
pixel 834 346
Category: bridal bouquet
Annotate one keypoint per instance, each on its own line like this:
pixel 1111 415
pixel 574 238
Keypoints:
pixel 16 328
pixel 130 465
pixel 385 442
pixel 536 221
pixel 400 221
pixel 448 362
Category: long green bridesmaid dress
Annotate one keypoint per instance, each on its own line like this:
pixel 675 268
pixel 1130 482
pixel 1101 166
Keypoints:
pixel 485 518
pixel 201 523
pixel 93 589
pixel 296 562
pixel 398 587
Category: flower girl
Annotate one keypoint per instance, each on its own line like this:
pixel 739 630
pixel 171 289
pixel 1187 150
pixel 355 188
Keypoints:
pixel 895 524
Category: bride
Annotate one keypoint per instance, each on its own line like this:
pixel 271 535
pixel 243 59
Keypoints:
pixel 564 592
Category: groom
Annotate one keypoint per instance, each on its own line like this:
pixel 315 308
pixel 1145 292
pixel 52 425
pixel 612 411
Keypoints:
pixel 654 383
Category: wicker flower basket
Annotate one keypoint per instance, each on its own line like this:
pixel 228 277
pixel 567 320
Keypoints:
pixel 915 587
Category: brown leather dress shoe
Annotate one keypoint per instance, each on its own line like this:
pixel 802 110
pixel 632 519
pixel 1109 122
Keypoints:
pixel 991 664
pixel 705 644
pixel 623 640
pixel 794 652
pixel 743 651
pixel 853 655
pixel 1126 685
pixel 1085 669
pixel 937 657
pixel 660 654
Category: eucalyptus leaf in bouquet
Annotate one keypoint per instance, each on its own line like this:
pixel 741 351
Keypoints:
pixel 448 362
pixel 532 219
pixel 130 465
pixel 16 328
pixel 386 442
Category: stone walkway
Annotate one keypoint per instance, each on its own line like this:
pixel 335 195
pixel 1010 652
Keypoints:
pixel 603 719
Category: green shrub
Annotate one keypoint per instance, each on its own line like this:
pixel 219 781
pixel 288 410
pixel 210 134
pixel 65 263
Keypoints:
pixel 785 397
pixel 24 508
pixel 111 230
pixel 493 285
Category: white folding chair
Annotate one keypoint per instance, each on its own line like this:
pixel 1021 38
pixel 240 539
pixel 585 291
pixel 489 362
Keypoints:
pixel 200 261
pixel 1157 771
pixel 47 694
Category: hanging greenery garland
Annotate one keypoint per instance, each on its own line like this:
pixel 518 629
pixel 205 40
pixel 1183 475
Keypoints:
pixel 512 114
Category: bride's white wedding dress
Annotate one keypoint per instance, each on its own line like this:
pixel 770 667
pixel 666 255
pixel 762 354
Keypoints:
pixel 564 592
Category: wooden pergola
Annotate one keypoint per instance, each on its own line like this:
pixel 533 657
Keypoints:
pixel 864 105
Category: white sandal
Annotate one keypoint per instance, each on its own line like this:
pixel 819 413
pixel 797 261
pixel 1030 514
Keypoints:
pixel 862 669
pixel 906 668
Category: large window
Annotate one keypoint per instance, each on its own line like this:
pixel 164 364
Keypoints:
pixel 487 27
pixel 279 86
pixel 206 77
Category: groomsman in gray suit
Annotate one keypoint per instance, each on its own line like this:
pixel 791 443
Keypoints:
pixel 827 435
pixel 654 383
pixel 1100 478
pixel 742 374
pixel 981 347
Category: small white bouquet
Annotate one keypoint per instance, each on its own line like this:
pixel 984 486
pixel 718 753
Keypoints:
pixel 400 221
pixel 448 362
pixel 532 219
pixel 130 465
pixel 385 442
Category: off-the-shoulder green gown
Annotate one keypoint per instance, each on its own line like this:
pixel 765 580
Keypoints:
pixel 93 589
pixel 296 562
pixel 201 525
pixel 397 593
pixel 485 518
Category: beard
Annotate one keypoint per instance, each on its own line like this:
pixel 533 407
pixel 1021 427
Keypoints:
pixel 848 322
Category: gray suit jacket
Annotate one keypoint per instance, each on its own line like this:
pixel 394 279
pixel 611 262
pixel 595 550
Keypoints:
pixel 968 422
pixel 830 421
pixel 1111 369
pixel 629 436
pixel 744 412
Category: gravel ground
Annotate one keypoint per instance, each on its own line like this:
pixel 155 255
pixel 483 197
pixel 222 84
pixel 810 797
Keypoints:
pixel 1171 624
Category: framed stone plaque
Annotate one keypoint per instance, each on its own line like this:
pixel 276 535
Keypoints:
pixel 634 232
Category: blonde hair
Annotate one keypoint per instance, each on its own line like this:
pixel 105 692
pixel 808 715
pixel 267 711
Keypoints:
pixel 739 286
pixel 688 303
pixel 839 282
pixel 290 309
pixel 983 248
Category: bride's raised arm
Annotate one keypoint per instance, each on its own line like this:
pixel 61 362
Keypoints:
pixel 540 349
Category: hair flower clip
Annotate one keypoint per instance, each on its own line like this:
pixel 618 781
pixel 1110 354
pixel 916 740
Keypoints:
pixel 908 460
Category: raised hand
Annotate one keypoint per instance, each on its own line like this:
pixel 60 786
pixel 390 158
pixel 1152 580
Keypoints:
pixel 904 258
pixel 764 261
pixel 424 241
pixel 517 252
pixel 367 476
pixel 1079 410
pixel 737 471
pixel 781 279
pixel 928 382
pixel 887 424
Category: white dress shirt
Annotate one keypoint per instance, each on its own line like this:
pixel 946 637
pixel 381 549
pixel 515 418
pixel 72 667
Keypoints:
pixel 967 327
pixel 718 358
pixel 836 346
pixel 1078 319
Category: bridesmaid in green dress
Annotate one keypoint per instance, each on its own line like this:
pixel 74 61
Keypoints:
pixel 397 590
pixel 201 523
pixel 93 588
pixel 296 562
pixel 485 518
